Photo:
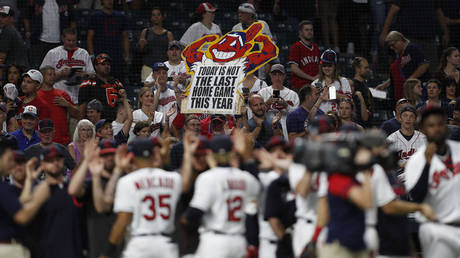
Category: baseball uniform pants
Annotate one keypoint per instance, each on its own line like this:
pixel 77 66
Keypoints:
pixel 156 246
pixel 214 245
pixel 440 240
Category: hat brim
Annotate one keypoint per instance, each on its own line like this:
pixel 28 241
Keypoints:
pixel 107 151
pixel 29 114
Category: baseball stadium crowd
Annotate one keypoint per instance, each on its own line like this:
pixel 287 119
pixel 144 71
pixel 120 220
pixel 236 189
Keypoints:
pixel 97 158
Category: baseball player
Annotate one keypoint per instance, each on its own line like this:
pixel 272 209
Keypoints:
pixel 145 200
pixel 431 177
pixel 406 141
pixel 222 196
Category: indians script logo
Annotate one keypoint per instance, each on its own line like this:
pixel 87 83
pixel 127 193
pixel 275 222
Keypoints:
pixel 218 66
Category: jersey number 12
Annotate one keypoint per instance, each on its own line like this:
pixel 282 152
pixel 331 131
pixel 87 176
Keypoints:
pixel 233 206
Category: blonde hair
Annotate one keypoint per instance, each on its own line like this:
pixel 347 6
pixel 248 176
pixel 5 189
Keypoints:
pixel 396 36
pixel 83 122
pixel 142 91
pixel 408 91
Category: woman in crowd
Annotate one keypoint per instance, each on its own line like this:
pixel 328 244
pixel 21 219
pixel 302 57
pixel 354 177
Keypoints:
pixel 449 90
pixel 413 91
pixel 202 24
pixel 329 77
pixel 450 60
pixel 346 113
pixel 153 43
pixel 84 131
pixel 146 112
pixel 434 98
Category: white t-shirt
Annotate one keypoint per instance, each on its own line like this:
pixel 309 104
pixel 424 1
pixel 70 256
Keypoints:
pixel 173 70
pixel 266 29
pixel 116 127
pixel 223 194
pixel 59 58
pixel 198 30
pixel 343 88
pixel 151 195
pixel 166 101
pixel 50 22
pixel 289 96
pixel 265 230
pixel 139 115
pixel 306 206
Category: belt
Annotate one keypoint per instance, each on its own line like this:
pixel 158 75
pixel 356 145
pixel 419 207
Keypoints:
pixel 274 242
pixel 454 224
pixel 217 232
pixel 152 234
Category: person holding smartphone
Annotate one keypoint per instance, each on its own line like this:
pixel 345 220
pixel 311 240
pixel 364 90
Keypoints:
pixel 279 98
pixel 330 80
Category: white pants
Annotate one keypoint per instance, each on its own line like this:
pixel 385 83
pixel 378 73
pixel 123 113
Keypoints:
pixel 371 239
pixel 392 256
pixel 267 249
pixel 303 232
pixel 439 240
pixel 221 246
pixel 151 247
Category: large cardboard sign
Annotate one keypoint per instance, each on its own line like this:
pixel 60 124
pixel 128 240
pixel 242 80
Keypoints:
pixel 218 66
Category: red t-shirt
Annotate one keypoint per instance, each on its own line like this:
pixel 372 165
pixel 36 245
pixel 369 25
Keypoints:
pixel 307 58
pixel 58 114
pixel 43 110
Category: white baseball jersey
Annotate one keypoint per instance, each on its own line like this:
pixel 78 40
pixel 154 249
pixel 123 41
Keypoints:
pixel 59 58
pixel 404 147
pixel 198 30
pixel 173 70
pixel 443 182
pixel 166 101
pixel 223 193
pixel 265 230
pixel 306 206
pixel 139 115
pixel 266 29
pixel 289 96
pixel 342 87
pixel 151 195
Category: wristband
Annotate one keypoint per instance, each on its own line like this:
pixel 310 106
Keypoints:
pixel 318 229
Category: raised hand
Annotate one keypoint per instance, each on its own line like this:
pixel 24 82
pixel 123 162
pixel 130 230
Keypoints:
pixel 276 118
pixel 91 149
pixel 96 166
pixel 32 173
pixel 122 157
pixel 191 142
pixel 171 111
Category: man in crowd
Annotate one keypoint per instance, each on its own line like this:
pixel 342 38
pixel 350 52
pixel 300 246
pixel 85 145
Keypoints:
pixel 362 97
pixel 262 126
pixel 103 87
pixel 304 57
pixel 72 64
pixel 46 132
pixel 94 111
pixel 297 120
pixel 165 98
pixel 26 135
pixel 192 125
pixel 279 98
pixel 59 102
pixel 12 47
pixel 31 82
pixel 392 125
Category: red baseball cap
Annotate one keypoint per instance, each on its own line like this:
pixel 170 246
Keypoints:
pixel 205 7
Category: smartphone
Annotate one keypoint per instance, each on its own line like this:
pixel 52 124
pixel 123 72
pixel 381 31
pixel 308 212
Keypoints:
pixel 319 85
pixel 276 93
pixel 246 95
pixel 170 79
pixel 332 92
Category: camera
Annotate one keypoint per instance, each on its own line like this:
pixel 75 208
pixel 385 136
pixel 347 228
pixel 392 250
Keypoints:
pixel 336 153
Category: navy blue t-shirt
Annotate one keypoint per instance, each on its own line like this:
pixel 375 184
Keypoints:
pixel 449 109
pixel 347 222
pixel 9 206
pixel 390 126
pixel 410 60
pixel 277 203
pixel 108 30
pixel 295 121
pixel 59 225
pixel 417 18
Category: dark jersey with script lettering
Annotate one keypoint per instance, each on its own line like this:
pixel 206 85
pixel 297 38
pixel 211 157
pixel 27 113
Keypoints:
pixel 307 58
pixel 105 92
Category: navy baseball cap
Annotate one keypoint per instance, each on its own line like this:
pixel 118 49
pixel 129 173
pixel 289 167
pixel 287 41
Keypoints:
pixel 409 109
pixel 95 105
pixel 329 57
pixel 51 151
pixel 143 147
pixel 203 146
pixel 107 146
pixel 101 123
pixel 221 144
pixel 45 124
pixel 19 156
pixel 101 58
pixel 159 65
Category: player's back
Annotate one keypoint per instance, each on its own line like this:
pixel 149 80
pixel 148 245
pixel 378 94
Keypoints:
pixel 151 195
pixel 223 193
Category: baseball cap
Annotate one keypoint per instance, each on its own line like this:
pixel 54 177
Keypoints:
pixel 19 156
pixel 328 57
pixel 142 147
pixel 247 8
pixel 45 124
pixel 159 65
pixel 321 124
pixel 101 123
pixel 218 117
pixel 34 75
pixel 278 67
pixel 95 104
pixel 11 92
pixel 203 146
pixel 6 10
pixel 101 58
pixel 107 146
pixel 275 141
pixel 221 144
pixel 205 7
pixel 175 43
pixel 51 151
pixel 401 101
pixel 409 109
pixel 30 110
